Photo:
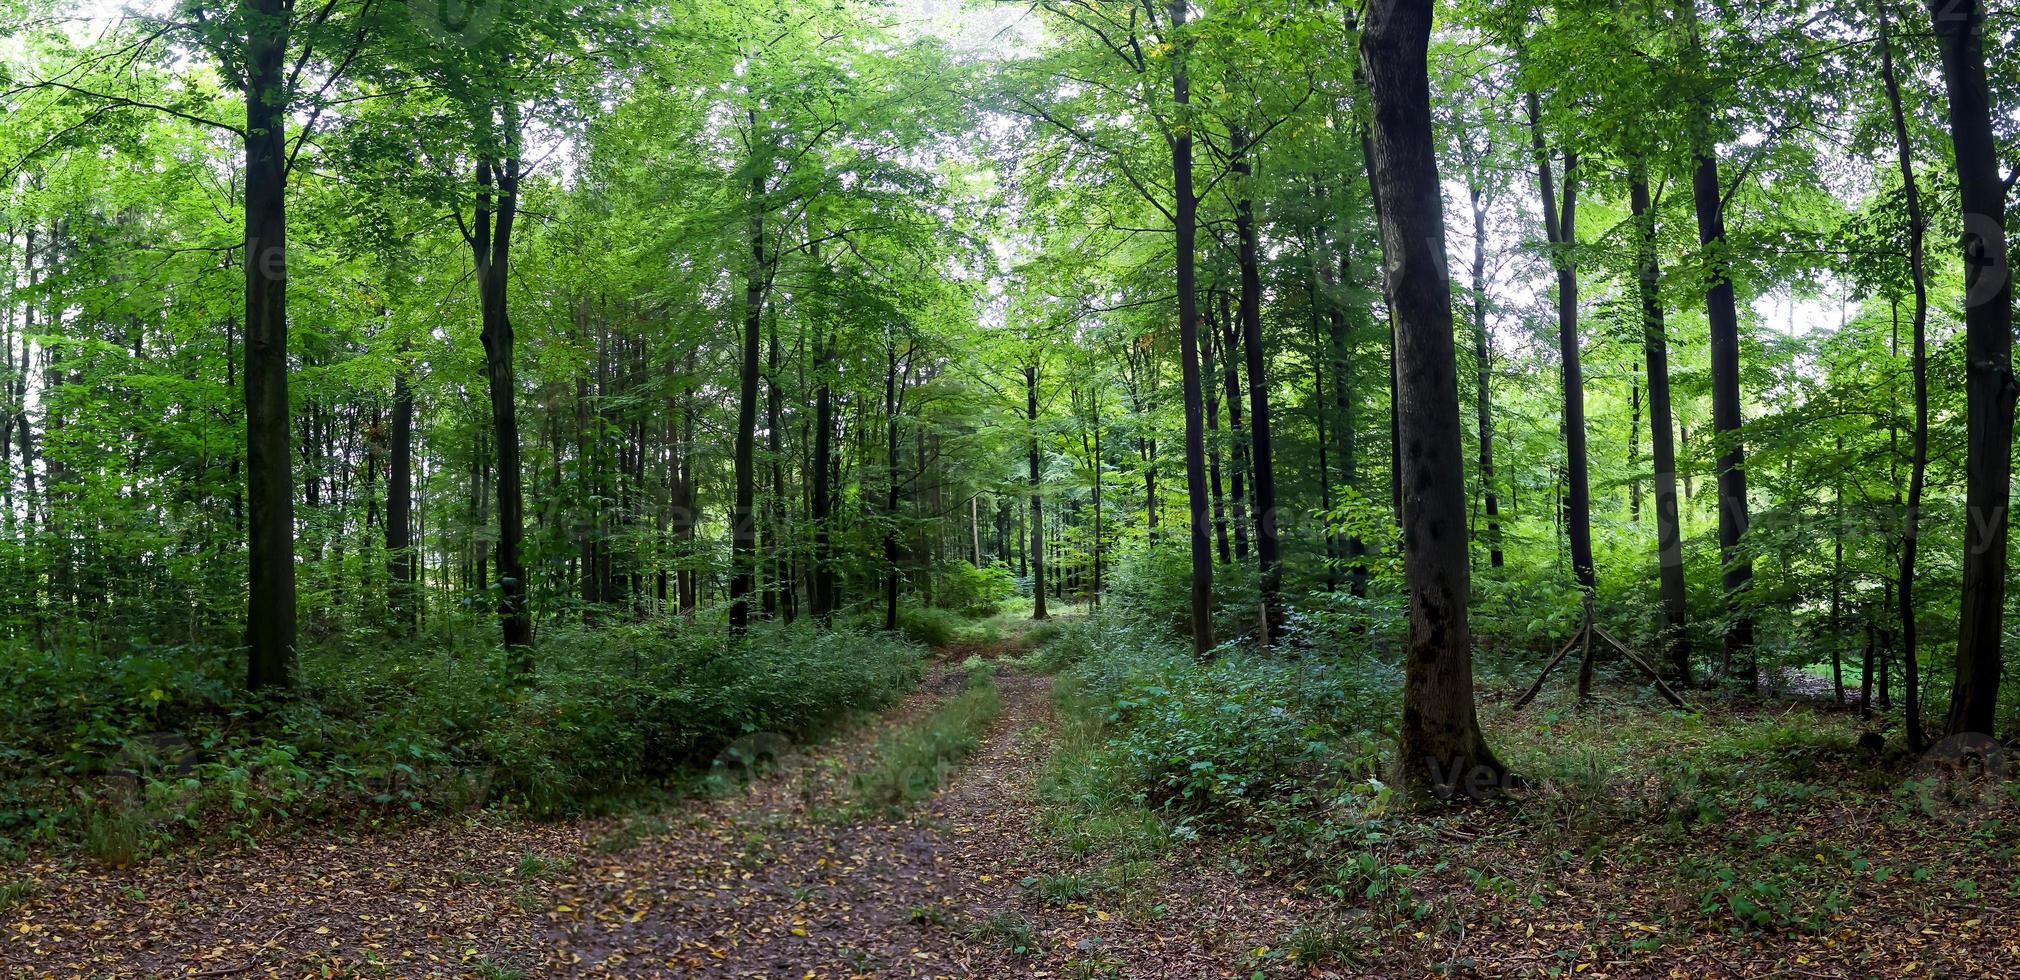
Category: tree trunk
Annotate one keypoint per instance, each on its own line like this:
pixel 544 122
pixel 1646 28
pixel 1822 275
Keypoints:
pixel 1919 463
pixel 1230 340
pixel 1211 393
pixel 270 501
pixel 1655 350
pixel 743 531
pixel 1270 564
pixel 1561 230
pixel 1443 749
pixel 824 426
pixel 1721 309
pixel 1037 477
pixel 1483 364
pixel 1988 377
pixel 400 506
pixel 1186 225
pixel 776 583
pixel 497 209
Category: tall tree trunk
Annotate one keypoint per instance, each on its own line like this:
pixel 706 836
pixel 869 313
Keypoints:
pixel 1349 445
pixel 497 209
pixel 1721 309
pixel 1919 464
pixel 270 500
pixel 743 531
pixel 1037 477
pixel 1988 355
pixel 823 514
pixel 1270 564
pixel 776 583
pixel 1230 340
pixel 1561 230
pixel 402 561
pixel 1655 350
pixel 1483 353
pixel 1212 395
pixel 892 491
pixel 1320 409
pixel 1185 216
pixel 1442 746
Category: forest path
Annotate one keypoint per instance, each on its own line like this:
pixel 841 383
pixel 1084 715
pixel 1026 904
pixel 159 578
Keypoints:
pixel 779 881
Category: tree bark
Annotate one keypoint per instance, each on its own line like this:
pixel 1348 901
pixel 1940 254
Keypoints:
pixel 1268 559
pixel 1561 230
pixel 1186 225
pixel 1919 462
pixel 1037 477
pixel 743 532
pixel 1483 364
pixel 270 501
pixel 1988 376
pixel 400 506
pixel 1443 749
pixel 1721 310
pixel 1662 439
pixel 497 209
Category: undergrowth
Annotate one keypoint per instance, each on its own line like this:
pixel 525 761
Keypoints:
pixel 123 754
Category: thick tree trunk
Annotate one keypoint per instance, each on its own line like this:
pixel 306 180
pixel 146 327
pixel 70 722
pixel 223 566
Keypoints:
pixel 1443 749
pixel 1186 222
pixel 270 500
pixel 1560 225
pixel 1988 376
pixel 1655 350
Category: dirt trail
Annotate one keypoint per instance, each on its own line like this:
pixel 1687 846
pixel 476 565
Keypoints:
pixel 765 883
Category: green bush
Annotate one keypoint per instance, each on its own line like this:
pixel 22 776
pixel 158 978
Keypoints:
pixel 974 592
pixel 99 749
pixel 1240 740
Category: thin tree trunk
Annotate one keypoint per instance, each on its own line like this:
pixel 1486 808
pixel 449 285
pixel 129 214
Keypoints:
pixel 1261 453
pixel 1655 351
pixel 1919 463
pixel 1722 311
pixel 399 506
pixel 1560 227
pixel 1037 496
pixel 1483 353
pixel 1186 225
pixel 743 531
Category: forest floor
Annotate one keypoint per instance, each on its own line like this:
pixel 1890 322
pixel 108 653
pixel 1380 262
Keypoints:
pixel 793 878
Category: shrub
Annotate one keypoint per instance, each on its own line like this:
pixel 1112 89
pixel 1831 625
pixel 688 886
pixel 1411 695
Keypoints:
pixel 112 752
pixel 1240 740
